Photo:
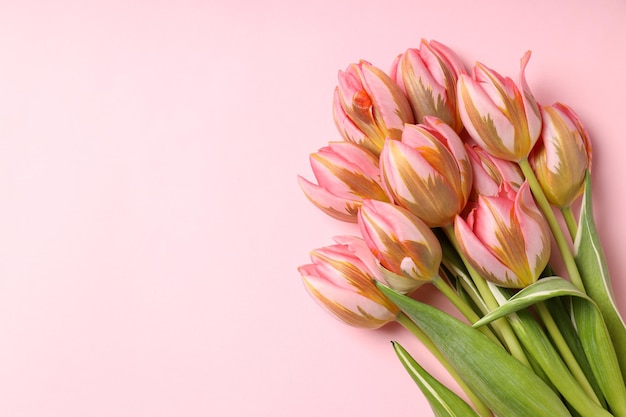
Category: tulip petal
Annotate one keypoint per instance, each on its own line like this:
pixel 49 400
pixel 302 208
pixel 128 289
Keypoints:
pixel 484 120
pixel 351 307
pixel 456 147
pixel 397 221
pixel 571 115
pixel 481 258
pixel 389 100
pixel 393 234
pixel 348 171
pixel 339 208
pixel 535 230
pixel 416 185
pixel 358 247
pixel 346 127
pixel 452 59
pixel 356 157
pixel 531 108
pixel 426 94
pixel 358 105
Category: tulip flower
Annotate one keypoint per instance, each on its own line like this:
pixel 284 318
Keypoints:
pixel 503 118
pixel 341 279
pixel 428 172
pixel 562 156
pixel 346 174
pixel 369 107
pixel 490 172
pixel 403 244
pixel 428 77
pixel 505 238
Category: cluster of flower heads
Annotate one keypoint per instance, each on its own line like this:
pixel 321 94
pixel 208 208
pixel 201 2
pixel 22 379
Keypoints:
pixel 429 145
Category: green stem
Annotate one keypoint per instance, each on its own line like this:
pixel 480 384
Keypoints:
pixel 564 350
pixel 559 237
pixel 405 321
pixel 502 325
pixel 462 306
pixel 570 221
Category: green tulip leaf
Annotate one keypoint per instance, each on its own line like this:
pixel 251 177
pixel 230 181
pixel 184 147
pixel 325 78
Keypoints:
pixel 592 332
pixel 600 351
pixel 538 345
pixel 443 402
pixel 507 387
pixel 592 266
pixel 541 290
pixel 562 318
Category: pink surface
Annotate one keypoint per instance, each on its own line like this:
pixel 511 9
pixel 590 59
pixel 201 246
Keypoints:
pixel 151 221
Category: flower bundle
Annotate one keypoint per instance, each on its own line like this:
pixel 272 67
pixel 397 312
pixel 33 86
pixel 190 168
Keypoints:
pixel 463 181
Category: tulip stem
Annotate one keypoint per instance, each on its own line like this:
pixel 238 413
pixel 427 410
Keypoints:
pixel 462 306
pixel 559 237
pixel 570 221
pixel 408 324
pixel 502 325
pixel 565 351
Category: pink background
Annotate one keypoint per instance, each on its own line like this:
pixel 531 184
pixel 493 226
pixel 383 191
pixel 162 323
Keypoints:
pixel 150 220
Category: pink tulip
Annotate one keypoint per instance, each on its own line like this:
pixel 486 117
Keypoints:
pixel 503 118
pixel 562 156
pixel 341 279
pixel 428 77
pixel 490 172
pixel 346 174
pixel 506 238
pixel 403 244
pixel 369 107
pixel 428 172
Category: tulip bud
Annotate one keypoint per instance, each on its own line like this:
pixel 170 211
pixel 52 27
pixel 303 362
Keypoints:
pixel 489 173
pixel 428 77
pixel 346 174
pixel 503 118
pixel 428 172
pixel 369 107
pixel 562 156
pixel 403 244
pixel 505 238
pixel 341 279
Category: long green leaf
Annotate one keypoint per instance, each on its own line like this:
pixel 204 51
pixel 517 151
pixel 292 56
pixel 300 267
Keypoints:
pixel 602 358
pixel 563 321
pixel 541 290
pixel 594 272
pixel 538 345
pixel 593 334
pixel 505 385
pixel 444 402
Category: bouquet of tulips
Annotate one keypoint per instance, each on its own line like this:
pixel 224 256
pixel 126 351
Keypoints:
pixel 465 182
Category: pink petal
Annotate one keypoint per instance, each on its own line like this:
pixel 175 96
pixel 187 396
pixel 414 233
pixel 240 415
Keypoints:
pixel 360 249
pixel 451 58
pixel 330 296
pixel 356 158
pixel 457 148
pixel 479 113
pixel 398 221
pixel 493 215
pixel 531 108
pixel 398 157
pixel 482 181
pixel 395 72
pixel 535 229
pixel 346 127
pixel 337 207
pixel 485 262
pixel 389 100
pixel 427 70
